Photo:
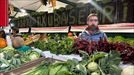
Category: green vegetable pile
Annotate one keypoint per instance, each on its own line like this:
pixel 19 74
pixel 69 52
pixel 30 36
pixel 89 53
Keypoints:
pixel 99 63
pixel 56 46
pixel 11 58
pixel 129 41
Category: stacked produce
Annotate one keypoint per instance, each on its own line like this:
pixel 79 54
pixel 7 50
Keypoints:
pixel 56 46
pixel 63 45
pixel 126 51
pixel 102 58
pixel 116 39
pixel 11 59
pixel 98 63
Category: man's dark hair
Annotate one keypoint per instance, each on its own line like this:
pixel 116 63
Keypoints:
pixel 15 29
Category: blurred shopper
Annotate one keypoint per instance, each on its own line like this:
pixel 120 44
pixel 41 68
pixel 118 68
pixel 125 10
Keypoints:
pixel 92 32
pixel 2 34
pixel 3 42
pixel 18 41
pixel 15 32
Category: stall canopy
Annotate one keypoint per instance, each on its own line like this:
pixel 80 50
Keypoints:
pixel 38 6
pixel 33 5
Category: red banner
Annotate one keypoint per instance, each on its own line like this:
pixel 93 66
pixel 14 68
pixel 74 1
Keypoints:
pixel 3 13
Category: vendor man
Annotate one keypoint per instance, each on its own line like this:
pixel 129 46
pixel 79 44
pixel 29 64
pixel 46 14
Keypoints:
pixel 92 31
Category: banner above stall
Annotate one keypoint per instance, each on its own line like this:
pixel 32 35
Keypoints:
pixel 108 12
pixel 114 28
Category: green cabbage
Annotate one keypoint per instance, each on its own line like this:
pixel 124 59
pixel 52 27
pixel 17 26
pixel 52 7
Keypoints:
pixel 34 55
pixel 95 73
pixel 92 66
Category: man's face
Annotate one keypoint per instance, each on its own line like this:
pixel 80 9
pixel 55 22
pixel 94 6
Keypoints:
pixel 93 20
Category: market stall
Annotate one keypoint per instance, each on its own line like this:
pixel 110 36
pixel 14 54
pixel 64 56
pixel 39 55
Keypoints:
pixel 54 37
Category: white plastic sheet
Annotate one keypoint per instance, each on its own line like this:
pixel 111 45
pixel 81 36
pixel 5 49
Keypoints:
pixel 61 57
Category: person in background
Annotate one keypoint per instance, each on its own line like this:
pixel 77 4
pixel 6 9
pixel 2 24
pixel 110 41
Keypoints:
pixel 92 31
pixel 3 42
pixel 18 41
pixel 15 32
pixel 2 34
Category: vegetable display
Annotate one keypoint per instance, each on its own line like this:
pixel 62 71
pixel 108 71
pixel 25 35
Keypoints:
pixel 92 66
pixel 98 58
pixel 126 51
pixel 12 59
pixel 95 64
pixel 117 39
pixel 59 46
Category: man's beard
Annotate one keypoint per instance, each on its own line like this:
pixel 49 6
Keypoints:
pixel 93 27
